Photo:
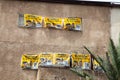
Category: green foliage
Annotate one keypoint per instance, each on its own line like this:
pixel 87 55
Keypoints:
pixel 110 64
pixel 82 74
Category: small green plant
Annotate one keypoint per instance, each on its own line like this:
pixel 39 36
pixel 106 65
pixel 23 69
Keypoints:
pixel 110 64
pixel 81 73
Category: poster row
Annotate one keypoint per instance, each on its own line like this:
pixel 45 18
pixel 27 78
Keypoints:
pixel 35 21
pixel 32 61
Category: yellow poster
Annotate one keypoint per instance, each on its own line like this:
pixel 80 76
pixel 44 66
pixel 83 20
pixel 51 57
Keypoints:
pixel 86 61
pixel 33 21
pixel 96 66
pixel 72 23
pixel 29 61
pixel 81 61
pixel 77 60
pixel 50 22
pixel 62 59
pixel 46 59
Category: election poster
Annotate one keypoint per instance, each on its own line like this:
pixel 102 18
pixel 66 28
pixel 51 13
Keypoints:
pixel 62 59
pixel 29 61
pixel 73 23
pixel 77 60
pixel 53 22
pixel 46 59
pixel 32 21
pixel 96 66
pixel 81 61
pixel 86 59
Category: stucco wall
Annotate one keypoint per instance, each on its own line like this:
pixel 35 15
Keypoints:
pixel 16 41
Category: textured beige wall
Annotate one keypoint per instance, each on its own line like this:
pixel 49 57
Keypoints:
pixel 65 74
pixel 16 41
pixel 56 74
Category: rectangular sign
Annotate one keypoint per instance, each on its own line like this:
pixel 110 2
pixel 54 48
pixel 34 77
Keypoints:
pixel 62 59
pixel 81 61
pixel 50 22
pixel 46 59
pixel 72 23
pixel 29 61
pixel 32 21
pixel 96 66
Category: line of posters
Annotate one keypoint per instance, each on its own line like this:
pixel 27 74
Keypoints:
pixel 36 21
pixel 32 61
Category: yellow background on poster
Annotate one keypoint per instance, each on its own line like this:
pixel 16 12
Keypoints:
pixel 86 58
pixel 33 19
pixel 53 22
pixel 46 58
pixel 76 59
pixel 29 60
pixel 72 22
pixel 95 63
pixel 62 59
pixel 79 59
